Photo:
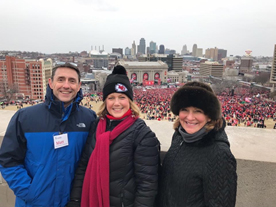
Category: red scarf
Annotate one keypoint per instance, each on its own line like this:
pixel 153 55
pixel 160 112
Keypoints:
pixel 95 190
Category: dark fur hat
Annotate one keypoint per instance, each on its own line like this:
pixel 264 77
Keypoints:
pixel 199 95
pixel 118 82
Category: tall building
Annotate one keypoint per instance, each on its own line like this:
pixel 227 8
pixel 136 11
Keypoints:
pixel 167 51
pixel 199 52
pixel 117 50
pixel 174 63
pixel 211 68
pixel 184 50
pixel 222 54
pixel 172 52
pixel 212 53
pixel 133 49
pixel 246 64
pixel 29 78
pixel 161 49
pixel 273 69
pixel 142 46
pixel 152 47
pixel 215 53
pixel 194 50
pixel 127 51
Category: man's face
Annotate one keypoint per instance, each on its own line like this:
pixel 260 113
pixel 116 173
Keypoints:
pixel 65 85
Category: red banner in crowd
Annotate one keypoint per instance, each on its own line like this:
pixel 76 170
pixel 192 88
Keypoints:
pixel 148 83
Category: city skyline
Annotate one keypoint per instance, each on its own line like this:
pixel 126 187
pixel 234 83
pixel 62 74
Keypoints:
pixel 77 25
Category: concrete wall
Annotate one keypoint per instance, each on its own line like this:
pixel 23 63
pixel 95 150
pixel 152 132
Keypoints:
pixel 6 194
pixel 256 185
pixel 254 149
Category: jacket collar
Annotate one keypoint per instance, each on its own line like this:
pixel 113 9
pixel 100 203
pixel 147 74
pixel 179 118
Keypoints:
pixel 212 136
pixel 58 106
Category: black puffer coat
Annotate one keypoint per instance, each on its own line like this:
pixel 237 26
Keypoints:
pixel 199 174
pixel 134 159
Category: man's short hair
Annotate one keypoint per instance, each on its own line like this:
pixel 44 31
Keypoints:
pixel 66 65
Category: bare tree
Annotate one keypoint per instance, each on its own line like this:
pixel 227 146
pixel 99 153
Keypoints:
pixel 273 95
pixel 9 91
pixel 262 78
pixel 224 86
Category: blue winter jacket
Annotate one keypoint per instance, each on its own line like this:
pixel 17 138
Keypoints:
pixel 39 174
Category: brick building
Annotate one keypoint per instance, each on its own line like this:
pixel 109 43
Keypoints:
pixel 29 78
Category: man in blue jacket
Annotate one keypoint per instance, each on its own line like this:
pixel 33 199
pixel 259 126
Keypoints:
pixel 43 143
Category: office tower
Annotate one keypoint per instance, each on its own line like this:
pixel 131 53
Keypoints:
pixel 199 52
pixel 184 50
pixel 142 46
pixel 167 51
pixel 147 50
pixel 194 50
pixel 222 54
pixel 28 78
pixel 172 52
pixel 174 63
pixel 246 63
pixel 127 51
pixel 212 53
pixel 117 50
pixel 152 47
pixel 273 69
pixel 211 68
pixel 133 49
pixel 161 49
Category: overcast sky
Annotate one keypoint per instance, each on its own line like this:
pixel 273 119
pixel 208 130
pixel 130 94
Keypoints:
pixel 53 26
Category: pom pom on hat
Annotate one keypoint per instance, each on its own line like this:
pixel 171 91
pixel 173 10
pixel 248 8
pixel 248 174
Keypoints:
pixel 118 82
pixel 119 70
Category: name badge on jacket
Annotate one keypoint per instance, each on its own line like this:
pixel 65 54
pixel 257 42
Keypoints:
pixel 60 140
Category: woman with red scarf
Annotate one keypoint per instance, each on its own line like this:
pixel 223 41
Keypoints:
pixel 119 165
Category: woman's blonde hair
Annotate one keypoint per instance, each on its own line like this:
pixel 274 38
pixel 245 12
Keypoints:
pixel 213 124
pixel 134 108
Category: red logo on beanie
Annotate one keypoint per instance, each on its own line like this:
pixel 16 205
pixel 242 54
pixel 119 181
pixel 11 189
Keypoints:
pixel 120 88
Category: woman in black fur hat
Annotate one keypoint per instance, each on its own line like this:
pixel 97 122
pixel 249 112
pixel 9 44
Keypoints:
pixel 199 169
pixel 119 165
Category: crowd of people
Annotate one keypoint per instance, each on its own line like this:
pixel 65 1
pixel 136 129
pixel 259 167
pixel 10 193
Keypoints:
pixel 155 103
pixel 247 108
pixel 244 108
